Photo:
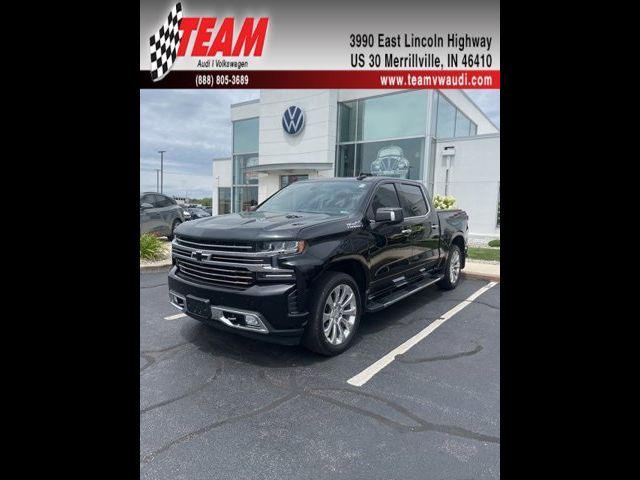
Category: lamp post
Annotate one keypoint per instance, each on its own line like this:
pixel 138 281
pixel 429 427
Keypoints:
pixel 161 152
pixel 157 180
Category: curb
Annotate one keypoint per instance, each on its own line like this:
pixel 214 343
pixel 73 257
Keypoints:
pixel 163 267
pixel 482 276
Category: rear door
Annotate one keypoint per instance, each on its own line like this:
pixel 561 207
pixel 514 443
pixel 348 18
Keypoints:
pixel 424 225
pixel 391 248
pixel 166 214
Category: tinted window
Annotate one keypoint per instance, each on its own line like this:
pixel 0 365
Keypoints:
pixel 462 125
pixel 413 204
pixel 245 136
pixel 446 118
pixel 162 201
pixel 147 199
pixel 385 197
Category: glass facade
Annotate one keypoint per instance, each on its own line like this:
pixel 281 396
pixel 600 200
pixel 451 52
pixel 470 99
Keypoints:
pixel 451 122
pixel 287 179
pixel 245 154
pixel 382 135
pixel 224 200
pixel 244 198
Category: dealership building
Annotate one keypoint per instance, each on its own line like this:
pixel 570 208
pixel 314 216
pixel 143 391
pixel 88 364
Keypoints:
pixel 439 137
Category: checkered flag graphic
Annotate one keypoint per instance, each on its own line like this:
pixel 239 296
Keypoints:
pixel 164 44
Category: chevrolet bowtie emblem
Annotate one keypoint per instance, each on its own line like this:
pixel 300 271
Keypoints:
pixel 197 255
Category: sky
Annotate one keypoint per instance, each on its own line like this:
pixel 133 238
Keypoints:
pixel 193 126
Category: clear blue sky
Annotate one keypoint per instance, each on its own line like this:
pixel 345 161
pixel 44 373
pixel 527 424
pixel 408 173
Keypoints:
pixel 193 127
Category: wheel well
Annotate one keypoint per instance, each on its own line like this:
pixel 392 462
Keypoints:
pixel 459 241
pixel 353 268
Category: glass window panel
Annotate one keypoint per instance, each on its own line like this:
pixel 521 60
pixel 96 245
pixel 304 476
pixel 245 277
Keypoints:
pixel 434 112
pixel 397 115
pixel 446 118
pixel 413 203
pixel 224 200
pixel 244 198
pixel 240 175
pixel 473 130
pixel 391 158
pixel 287 179
pixel 347 130
pixel 462 125
pixel 345 161
pixel 245 136
pixel 385 197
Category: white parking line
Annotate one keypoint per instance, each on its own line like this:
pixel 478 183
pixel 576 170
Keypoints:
pixel 365 375
pixel 176 316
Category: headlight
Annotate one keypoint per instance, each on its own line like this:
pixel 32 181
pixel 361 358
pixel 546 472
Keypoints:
pixel 295 246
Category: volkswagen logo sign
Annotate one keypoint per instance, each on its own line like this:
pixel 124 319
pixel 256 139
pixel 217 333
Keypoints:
pixel 293 120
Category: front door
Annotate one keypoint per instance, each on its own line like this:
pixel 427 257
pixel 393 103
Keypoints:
pixel 391 247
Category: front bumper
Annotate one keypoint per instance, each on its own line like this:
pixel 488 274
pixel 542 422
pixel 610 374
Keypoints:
pixel 271 306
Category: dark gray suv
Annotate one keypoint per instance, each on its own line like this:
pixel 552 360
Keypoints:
pixel 159 214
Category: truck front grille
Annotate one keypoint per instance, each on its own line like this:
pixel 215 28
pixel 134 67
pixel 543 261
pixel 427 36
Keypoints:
pixel 225 276
pixel 217 245
pixel 217 262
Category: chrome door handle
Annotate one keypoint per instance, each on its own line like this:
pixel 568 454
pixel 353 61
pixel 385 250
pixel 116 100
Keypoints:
pixel 435 226
pixel 406 231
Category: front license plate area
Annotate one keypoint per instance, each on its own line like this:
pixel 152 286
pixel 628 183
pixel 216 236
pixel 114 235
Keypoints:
pixel 199 306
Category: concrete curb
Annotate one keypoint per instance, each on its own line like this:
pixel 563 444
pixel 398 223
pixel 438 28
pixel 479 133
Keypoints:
pixel 163 266
pixel 482 271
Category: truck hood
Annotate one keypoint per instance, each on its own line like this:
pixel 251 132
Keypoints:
pixel 255 225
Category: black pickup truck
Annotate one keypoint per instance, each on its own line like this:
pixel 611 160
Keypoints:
pixel 311 259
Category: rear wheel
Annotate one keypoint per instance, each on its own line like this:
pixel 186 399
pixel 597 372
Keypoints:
pixel 452 269
pixel 335 314
pixel 171 236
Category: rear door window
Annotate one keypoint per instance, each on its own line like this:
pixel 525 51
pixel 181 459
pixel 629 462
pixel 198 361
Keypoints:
pixel 385 197
pixel 413 202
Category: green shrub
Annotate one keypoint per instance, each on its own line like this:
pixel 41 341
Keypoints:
pixel 494 243
pixel 443 203
pixel 150 247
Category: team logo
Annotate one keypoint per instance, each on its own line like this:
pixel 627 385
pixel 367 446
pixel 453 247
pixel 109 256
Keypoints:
pixel 182 36
pixel 293 120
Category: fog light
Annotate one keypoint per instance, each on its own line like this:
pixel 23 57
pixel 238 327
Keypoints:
pixel 251 321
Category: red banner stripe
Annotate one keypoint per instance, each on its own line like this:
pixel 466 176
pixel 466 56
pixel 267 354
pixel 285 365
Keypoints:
pixel 392 79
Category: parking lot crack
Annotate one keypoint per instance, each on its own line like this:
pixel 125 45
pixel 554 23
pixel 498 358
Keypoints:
pixel 189 393
pixel 402 357
pixel 191 435
pixel 421 424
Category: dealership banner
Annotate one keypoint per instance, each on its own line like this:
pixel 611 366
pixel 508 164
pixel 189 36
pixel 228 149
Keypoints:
pixel 324 44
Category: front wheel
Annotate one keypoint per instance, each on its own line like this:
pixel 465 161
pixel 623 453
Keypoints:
pixel 335 314
pixel 451 269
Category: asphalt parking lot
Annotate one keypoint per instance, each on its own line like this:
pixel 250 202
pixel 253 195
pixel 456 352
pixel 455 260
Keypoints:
pixel 216 405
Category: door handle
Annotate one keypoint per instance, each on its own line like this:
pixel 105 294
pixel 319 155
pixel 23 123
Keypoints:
pixel 406 231
pixel 435 226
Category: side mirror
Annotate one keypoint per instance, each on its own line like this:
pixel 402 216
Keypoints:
pixel 391 215
pixel 144 206
pixel 252 208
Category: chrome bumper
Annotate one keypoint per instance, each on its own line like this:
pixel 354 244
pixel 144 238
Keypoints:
pixel 252 321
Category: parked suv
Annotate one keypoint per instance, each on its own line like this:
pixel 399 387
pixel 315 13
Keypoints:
pixel 159 214
pixel 311 259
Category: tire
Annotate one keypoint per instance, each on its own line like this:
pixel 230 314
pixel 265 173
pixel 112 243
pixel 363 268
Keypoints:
pixel 328 287
pixel 451 275
pixel 176 222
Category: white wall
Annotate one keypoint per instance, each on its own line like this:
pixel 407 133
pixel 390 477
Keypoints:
pixel 222 167
pixel 316 142
pixel 474 179
pixel 243 110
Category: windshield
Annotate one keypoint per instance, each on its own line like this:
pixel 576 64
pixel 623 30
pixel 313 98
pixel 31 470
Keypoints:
pixel 333 198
